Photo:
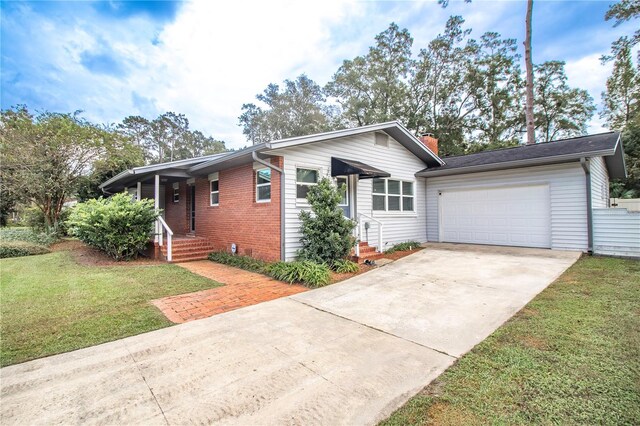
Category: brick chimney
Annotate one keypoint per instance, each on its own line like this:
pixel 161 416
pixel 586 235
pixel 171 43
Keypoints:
pixel 430 142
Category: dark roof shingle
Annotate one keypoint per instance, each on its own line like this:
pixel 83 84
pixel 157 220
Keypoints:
pixel 573 147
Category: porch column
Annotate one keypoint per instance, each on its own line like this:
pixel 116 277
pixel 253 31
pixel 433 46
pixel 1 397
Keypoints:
pixel 139 191
pixel 156 199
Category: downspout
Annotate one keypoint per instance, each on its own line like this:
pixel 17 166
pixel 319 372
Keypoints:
pixel 257 159
pixel 584 162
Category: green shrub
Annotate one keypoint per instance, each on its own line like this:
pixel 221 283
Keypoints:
pixel 243 262
pixel 118 226
pixel 344 266
pixel 27 235
pixel 303 272
pixel 20 248
pixel 307 273
pixel 34 219
pixel 327 235
pixel 407 245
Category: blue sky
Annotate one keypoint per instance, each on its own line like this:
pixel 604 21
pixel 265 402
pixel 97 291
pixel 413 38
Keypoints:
pixel 112 59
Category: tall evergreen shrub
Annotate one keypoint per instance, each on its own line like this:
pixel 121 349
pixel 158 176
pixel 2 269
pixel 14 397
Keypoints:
pixel 327 235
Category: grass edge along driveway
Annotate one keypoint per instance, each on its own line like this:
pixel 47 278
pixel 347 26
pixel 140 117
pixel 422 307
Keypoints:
pixel 50 304
pixel 571 356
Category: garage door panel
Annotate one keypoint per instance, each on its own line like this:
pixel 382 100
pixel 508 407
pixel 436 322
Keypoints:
pixel 504 216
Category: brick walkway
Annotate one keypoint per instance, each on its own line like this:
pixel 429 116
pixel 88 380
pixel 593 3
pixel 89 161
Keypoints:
pixel 242 288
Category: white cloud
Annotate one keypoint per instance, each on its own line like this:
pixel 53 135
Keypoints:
pixel 218 55
pixel 589 74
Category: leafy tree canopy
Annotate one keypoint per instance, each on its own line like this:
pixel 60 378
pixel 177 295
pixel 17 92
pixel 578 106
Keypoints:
pixel 298 108
pixel 168 138
pixel 45 156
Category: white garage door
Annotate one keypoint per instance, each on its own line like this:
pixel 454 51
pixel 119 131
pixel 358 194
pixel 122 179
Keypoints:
pixel 510 216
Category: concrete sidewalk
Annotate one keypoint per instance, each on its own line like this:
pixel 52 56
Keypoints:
pixel 350 353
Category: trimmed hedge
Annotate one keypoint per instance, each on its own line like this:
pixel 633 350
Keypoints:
pixel 27 235
pixel 20 248
pixel 307 273
pixel 243 262
pixel 118 226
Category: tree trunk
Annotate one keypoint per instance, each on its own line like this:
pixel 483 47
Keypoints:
pixel 531 136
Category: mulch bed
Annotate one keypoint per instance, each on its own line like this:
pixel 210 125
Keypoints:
pixel 85 255
pixel 364 268
pixel 400 254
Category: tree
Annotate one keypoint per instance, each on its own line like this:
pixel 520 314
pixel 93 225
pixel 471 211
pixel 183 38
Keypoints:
pixel 120 155
pixel 528 59
pixel 326 234
pixel 623 11
pixel 496 83
pixel 441 101
pixel 45 156
pixel 168 138
pixel 298 109
pixel 374 88
pixel 529 73
pixel 622 98
pixel 631 141
pixel 561 111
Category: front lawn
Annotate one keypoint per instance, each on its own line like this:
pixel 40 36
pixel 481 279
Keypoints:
pixel 50 304
pixel 571 356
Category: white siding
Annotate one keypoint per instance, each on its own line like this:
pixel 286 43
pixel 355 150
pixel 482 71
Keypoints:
pixel 567 192
pixel 395 159
pixel 616 232
pixel 599 183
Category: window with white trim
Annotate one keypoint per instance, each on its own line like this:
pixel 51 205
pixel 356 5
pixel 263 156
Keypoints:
pixel 392 195
pixel 263 185
pixel 305 179
pixel 176 195
pixel 214 192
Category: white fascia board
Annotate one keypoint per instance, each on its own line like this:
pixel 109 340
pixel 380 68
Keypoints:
pixel 286 143
pixel 230 156
pixel 116 178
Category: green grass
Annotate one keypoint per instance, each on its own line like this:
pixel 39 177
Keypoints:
pixel 50 304
pixel 571 356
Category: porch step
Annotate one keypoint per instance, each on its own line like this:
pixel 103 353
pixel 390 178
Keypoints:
pixel 367 252
pixel 188 249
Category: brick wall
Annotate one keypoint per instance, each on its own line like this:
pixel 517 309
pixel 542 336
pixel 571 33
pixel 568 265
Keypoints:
pixel 176 214
pixel 253 227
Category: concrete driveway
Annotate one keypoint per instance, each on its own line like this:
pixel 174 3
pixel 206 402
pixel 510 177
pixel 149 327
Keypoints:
pixel 350 353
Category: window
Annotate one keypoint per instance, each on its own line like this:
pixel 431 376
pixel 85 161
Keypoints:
pixel 263 185
pixel 214 186
pixel 176 195
pixel 392 195
pixel 343 182
pixel 305 178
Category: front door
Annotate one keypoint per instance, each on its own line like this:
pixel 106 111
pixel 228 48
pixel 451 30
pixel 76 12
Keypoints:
pixel 192 208
pixel 345 203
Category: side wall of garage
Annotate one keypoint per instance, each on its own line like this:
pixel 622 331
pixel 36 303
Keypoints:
pixel 567 193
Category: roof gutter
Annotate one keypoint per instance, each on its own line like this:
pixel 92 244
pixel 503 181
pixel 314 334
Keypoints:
pixel 512 164
pixel 116 178
pixel 257 159
pixel 584 162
